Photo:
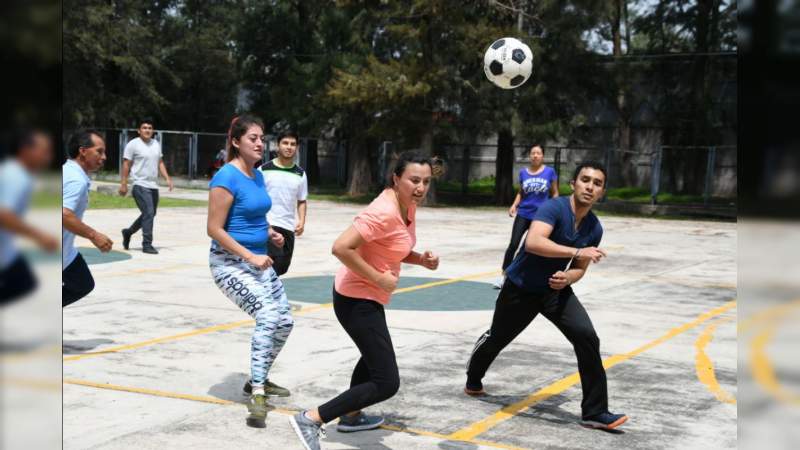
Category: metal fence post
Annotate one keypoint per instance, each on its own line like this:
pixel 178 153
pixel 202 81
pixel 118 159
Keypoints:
pixel 607 163
pixel 465 163
pixel 123 141
pixel 712 153
pixel 655 176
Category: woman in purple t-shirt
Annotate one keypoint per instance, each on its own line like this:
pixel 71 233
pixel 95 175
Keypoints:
pixel 537 183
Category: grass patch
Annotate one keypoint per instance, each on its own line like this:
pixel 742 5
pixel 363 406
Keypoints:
pixel 104 201
pixel 46 200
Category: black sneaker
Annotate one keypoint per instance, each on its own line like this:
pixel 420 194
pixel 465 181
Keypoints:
pixel 474 389
pixel 604 421
pixel 149 249
pixel 126 238
pixel 360 422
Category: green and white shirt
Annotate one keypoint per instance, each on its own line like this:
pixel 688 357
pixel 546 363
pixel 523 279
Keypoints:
pixel 286 186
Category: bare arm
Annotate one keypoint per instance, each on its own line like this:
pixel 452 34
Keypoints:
pixel 163 169
pixel 513 209
pixel 126 170
pixel 302 206
pixel 554 188
pixel 220 201
pixel 539 243
pixel 13 223
pixel 73 224
pixel 345 249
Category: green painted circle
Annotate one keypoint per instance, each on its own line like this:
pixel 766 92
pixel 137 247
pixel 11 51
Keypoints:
pixel 94 256
pixel 457 296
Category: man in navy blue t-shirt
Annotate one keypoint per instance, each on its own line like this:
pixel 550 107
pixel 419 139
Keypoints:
pixel 561 242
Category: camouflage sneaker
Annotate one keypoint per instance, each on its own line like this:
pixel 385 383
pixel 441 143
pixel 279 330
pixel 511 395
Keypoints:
pixel 257 406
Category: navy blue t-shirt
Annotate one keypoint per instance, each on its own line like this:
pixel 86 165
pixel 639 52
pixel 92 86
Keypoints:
pixel 531 272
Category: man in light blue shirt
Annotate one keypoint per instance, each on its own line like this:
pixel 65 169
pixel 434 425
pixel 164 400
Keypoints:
pixel 87 153
pixel 32 151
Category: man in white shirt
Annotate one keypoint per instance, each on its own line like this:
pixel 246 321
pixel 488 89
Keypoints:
pixel 32 151
pixel 287 186
pixel 87 154
pixel 143 160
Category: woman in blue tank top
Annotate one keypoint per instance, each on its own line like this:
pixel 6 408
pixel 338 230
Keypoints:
pixel 537 183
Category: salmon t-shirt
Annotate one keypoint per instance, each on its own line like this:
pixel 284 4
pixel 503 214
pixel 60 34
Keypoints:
pixel 388 241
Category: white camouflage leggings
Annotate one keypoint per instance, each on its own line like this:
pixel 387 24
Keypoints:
pixel 260 294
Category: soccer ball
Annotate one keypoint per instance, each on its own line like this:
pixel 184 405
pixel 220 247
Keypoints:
pixel 508 63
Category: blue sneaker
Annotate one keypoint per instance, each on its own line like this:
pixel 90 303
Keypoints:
pixel 604 421
pixel 307 430
pixel 361 422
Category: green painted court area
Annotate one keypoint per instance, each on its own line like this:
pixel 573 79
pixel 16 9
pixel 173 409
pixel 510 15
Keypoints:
pixel 456 296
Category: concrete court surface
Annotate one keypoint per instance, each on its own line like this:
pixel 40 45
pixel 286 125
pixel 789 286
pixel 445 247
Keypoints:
pixel 156 356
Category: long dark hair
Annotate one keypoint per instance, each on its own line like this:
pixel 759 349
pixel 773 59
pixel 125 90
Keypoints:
pixel 413 157
pixel 238 128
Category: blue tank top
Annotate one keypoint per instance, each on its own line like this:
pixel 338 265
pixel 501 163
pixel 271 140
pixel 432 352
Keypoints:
pixel 535 190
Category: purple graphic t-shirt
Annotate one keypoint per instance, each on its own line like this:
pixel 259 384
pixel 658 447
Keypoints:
pixel 535 190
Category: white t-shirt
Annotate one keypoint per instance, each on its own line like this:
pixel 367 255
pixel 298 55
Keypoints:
pixel 286 186
pixel 145 158
pixel 16 185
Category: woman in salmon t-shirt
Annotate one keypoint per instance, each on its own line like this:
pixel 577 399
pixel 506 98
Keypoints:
pixel 381 237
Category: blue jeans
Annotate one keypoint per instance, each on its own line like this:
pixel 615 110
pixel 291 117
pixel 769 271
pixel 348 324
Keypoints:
pixel 147 201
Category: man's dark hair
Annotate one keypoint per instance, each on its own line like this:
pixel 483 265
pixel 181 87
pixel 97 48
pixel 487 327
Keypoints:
pixel 146 120
pixel 590 165
pixel 80 139
pixel 289 134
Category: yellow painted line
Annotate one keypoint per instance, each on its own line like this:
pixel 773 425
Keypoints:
pixel 150 270
pixel 228 326
pixel 767 315
pixel 705 367
pixel 24 356
pixel 225 326
pixel 218 401
pixel 448 281
pixel 762 369
pixel 507 412
pixel 39 385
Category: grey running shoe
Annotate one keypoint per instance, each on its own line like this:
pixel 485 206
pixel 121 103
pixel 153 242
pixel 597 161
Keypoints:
pixel 307 430
pixel 361 422
pixel 271 389
pixel 257 406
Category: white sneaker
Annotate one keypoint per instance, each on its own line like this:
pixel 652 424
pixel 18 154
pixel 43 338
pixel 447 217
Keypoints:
pixel 498 284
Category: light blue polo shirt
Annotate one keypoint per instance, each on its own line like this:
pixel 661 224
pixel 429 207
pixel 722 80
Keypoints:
pixel 75 193
pixel 16 185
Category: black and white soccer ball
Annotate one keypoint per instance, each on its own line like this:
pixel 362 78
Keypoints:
pixel 508 63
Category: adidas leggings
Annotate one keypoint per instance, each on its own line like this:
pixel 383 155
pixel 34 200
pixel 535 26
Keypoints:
pixel 260 294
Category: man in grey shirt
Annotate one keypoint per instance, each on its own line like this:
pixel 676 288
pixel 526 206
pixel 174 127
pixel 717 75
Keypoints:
pixel 143 161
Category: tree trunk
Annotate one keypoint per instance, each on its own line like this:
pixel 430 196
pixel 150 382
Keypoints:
pixel 426 147
pixel 623 113
pixel 504 168
pixel 359 169
pixel 312 161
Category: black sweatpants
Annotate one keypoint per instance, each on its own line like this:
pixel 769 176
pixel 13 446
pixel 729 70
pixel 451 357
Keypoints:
pixel 521 226
pixel 281 256
pixel 76 281
pixel 16 280
pixel 515 309
pixel 375 377
pixel 147 201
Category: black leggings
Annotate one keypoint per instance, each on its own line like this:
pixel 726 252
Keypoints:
pixel 281 256
pixel 375 377
pixel 16 280
pixel 521 225
pixel 76 281
pixel 516 309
